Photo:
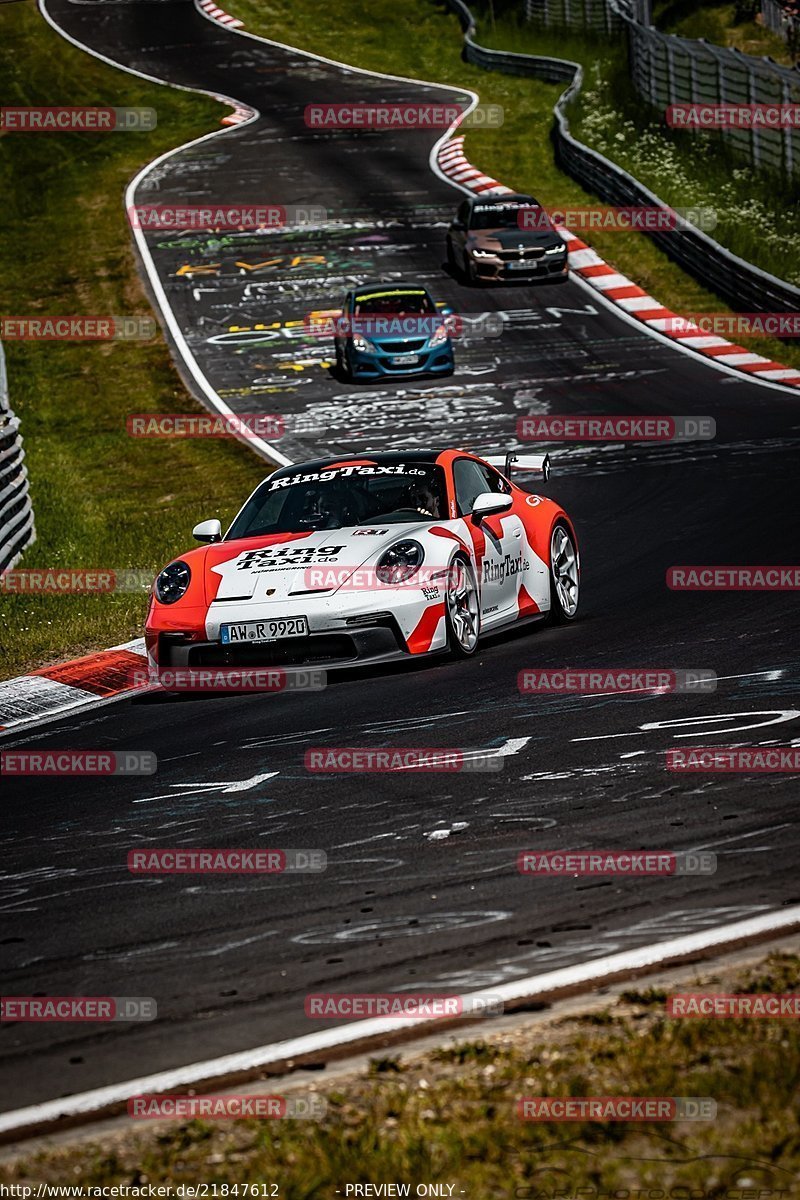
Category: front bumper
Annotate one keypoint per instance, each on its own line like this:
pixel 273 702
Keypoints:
pixel 330 650
pixel 439 361
pixel 498 271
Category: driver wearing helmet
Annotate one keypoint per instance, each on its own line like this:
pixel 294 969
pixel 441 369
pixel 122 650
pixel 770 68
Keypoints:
pixel 333 506
pixel 421 496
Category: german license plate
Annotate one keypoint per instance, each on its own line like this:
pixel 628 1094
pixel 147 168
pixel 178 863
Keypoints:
pixel 404 360
pixel 271 630
pixel 522 266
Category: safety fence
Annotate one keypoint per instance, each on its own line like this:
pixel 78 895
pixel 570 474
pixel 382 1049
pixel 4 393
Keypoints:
pixel 779 19
pixel 744 286
pixel 666 69
pixel 16 514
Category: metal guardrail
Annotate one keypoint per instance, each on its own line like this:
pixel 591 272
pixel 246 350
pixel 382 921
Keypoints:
pixel 593 15
pixel 16 514
pixel 667 69
pixel 745 287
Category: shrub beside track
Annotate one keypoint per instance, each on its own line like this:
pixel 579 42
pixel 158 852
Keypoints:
pixel 450 1114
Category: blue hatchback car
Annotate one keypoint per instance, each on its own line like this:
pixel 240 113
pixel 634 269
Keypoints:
pixel 393 329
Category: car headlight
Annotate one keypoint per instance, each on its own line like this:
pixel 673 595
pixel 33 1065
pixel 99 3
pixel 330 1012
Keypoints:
pixel 555 250
pixel 484 253
pixel 172 582
pixel 400 562
pixel 439 336
pixel 361 344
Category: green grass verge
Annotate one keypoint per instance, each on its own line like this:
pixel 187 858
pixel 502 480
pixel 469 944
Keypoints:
pixel 449 1116
pixel 101 499
pixel 758 215
pixel 421 39
pixel 734 25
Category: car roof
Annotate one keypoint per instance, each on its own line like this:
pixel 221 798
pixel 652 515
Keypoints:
pixel 383 458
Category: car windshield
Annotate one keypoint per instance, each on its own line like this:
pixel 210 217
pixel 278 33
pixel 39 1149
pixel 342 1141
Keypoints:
pixel 394 303
pixel 507 216
pixel 344 496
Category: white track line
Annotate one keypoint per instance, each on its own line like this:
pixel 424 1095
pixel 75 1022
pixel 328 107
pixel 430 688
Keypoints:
pixel 247 1061
pixel 334 62
pixel 649 956
pixel 265 449
pixel 714 363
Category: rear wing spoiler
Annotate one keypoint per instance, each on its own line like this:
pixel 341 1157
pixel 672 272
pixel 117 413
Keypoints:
pixel 523 462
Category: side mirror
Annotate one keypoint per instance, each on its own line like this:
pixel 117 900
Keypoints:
pixel 489 503
pixel 208 531
pixel 446 310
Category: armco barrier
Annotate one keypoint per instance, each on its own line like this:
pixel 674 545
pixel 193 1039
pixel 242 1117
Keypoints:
pixel 742 285
pixel 16 515
pixel 667 69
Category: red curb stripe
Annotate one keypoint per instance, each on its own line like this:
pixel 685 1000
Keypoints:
pixel 651 314
pixel 597 269
pixel 452 152
pixel 754 368
pixel 103 674
pixel 626 292
pixel 730 348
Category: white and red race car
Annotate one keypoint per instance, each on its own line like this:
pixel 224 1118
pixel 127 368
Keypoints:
pixel 345 561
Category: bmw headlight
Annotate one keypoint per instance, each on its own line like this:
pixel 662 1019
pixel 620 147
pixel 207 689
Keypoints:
pixel 555 250
pixel 172 582
pixel 483 253
pixel 400 562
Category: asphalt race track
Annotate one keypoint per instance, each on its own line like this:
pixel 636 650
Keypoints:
pixel 421 890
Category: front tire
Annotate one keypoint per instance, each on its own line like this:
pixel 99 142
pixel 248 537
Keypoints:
pixel 462 608
pixel 342 369
pixel 564 575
